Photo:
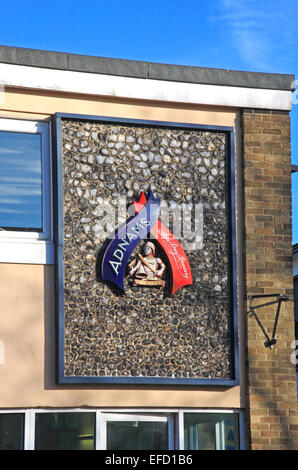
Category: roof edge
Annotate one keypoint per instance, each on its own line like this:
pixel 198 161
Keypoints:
pixel 145 70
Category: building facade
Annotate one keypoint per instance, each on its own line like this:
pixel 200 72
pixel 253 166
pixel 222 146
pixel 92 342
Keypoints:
pixel 145 219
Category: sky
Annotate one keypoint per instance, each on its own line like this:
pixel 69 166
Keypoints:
pixel 249 35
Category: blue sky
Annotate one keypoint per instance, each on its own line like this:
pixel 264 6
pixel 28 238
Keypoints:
pixel 252 35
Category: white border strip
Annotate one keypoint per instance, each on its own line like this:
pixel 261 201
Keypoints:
pixel 146 89
pixel 26 252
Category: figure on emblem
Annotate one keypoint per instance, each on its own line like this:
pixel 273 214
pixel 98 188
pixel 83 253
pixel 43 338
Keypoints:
pixel 147 270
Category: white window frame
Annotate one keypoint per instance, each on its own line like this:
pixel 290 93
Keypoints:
pixel 32 247
pixel 130 416
pixel 175 419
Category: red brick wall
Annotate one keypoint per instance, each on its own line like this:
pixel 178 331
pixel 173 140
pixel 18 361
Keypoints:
pixel 272 419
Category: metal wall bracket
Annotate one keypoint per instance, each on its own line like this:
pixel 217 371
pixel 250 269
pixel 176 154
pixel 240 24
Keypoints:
pixel 270 342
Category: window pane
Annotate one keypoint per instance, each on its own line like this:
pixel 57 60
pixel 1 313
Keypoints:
pixel 12 431
pixel 213 431
pixel 64 431
pixel 137 435
pixel 20 181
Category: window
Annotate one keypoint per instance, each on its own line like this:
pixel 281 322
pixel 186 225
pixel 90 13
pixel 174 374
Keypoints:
pixel 64 431
pixel 205 431
pixel 20 181
pixel 12 431
pixel 124 431
pixel 121 430
pixel 25 191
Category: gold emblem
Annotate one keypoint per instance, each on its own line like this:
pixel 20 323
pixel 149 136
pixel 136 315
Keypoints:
pixel 147 270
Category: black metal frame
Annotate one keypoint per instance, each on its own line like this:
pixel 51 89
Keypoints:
pixel 270 342
pixel 59 269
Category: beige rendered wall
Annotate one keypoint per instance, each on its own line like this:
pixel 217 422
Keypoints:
pixel 27 313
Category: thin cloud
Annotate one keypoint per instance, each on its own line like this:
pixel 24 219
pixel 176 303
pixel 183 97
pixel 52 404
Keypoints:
pixel 5 210
pixel 19 190
pixel 20 162
pixel 4 200
pixel 8 151
pixel 20 180
pixel 263 32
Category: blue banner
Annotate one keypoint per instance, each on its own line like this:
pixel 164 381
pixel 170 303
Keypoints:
pixel 127 238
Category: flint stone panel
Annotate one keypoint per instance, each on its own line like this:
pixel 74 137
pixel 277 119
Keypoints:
pixel 145 332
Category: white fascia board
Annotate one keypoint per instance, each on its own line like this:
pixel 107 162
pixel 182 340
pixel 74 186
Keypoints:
pixel 145 89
